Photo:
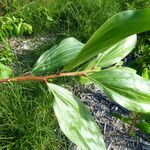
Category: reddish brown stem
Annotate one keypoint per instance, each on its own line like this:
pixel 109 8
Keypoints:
pixel 23 78
pixel 82 73
pixel 43 78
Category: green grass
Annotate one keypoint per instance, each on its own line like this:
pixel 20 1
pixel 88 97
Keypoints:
pixel 137 4
pixel 78 18
pixel 63 18
pixel 27 120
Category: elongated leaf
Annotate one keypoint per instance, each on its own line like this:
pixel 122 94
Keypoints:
pixel 113 54
pixel 125 87
pixel 122 118
pixel 75 120
pixel 5 71
pixel 117 28
pixel 19 28
pixel 57 57
pixel 117 52
pixel 27 28
pixel 144 126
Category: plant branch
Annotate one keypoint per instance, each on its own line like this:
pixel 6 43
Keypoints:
pixel 45 78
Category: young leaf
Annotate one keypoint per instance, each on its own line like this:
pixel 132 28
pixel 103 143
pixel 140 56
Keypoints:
pixel 18 29
pixel 145 73
pixel 125 87
pixel 27 27
pixel 57 57
pixel 117 28
pixel 117 52
pixel 75 120
pixel 113 54
pixel 5 71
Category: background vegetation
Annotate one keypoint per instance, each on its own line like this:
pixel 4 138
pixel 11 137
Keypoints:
pixel 26 118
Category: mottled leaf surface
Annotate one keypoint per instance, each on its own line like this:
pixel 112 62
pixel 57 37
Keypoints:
pixel 125 87
pixel 75 120
pixel 57 57
pixel 117 52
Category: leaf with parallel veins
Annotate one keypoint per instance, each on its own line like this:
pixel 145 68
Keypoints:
pixel 75 120
pixel 57 57
pixel 125 87
pixel 117 52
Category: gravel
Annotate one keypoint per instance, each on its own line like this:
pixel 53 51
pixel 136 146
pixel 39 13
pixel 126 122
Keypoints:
pixel 117 135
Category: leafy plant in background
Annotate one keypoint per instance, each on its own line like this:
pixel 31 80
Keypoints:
pixel 139 120
pixel 131 4
pixel 140 62
pixel 65 17
pixel 141 54
pixel 35 13
pixel 6 55
pixel 92 63
pixel 11 26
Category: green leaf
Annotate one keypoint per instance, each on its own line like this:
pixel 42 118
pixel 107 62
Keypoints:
pixel 122 118
pixel 125 87
pixel 9 27
pixel 5 71
pixel 75 120
pixel 144 126
pixel 57 57
pixel 145 73
pixel 113 55
pixel 2 35
pixel 145 117
pixel 117 28
pixel 27 28
pixel 19 28
pixel 117 52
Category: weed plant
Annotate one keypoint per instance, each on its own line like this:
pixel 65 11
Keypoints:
pixel 141 54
